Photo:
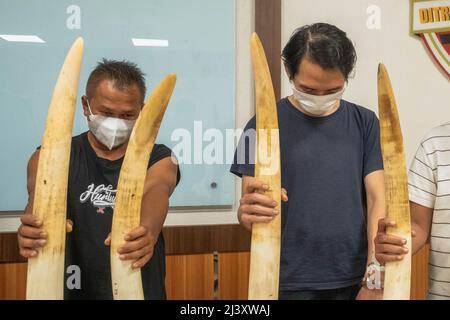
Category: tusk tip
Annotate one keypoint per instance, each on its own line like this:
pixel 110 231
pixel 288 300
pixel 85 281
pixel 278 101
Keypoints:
pixel 79 41
pixel 254 37
pixel 381 68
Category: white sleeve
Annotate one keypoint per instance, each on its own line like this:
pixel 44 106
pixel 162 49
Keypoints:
pixel 422 180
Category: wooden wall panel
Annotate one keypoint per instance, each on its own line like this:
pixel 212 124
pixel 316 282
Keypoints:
pixel 206 239
pixel 9 249
pixel 268 27
pixel 233 272
pixel 190 277
pixel 13 281
pixel 419 281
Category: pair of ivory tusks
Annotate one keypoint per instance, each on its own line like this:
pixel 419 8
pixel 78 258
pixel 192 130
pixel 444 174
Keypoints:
pixel 45 278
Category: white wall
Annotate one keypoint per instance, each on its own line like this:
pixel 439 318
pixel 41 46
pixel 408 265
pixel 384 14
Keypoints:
pixel 421 89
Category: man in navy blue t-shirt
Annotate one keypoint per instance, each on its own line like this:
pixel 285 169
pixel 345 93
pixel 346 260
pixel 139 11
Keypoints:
pixel 331 167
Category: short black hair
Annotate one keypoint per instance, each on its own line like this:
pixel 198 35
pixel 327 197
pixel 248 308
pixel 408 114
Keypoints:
pixel 322 43
pixel 121 73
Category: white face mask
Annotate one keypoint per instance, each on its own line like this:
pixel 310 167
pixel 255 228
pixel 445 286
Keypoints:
pixel 317 105
pixel 111 132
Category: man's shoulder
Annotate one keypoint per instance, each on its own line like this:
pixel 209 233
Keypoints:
pixel 75 140
pixel 159 152
pixel 365 118
pixel 435 136
pixel 78 141
pixel 441 130
pixel 80 136
pixel 359 110
pixel 159 147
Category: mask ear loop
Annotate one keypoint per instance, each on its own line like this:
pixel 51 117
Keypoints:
pixel 89 106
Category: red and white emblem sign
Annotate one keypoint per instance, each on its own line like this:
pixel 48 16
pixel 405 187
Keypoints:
pixel 431 20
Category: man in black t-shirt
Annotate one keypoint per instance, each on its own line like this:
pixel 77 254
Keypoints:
pixel 115 94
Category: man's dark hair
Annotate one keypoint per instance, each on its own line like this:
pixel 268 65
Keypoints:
pixel 322 43
pixel 122 73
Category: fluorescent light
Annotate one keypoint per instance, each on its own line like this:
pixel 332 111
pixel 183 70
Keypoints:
pixel 150 42
pixel 21 38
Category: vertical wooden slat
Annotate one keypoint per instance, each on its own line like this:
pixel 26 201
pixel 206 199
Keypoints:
pixel 419 281
pixel 13 280
pixel 233 274
pixel 9 248
pixel 268 28
pixel 190 277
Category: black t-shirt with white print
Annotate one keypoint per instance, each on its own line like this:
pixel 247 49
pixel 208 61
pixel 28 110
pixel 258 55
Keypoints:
pixel 90 203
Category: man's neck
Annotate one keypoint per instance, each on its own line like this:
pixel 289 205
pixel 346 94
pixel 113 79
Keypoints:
pixel 104 152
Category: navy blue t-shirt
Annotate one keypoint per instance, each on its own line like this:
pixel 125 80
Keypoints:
pixel 324 161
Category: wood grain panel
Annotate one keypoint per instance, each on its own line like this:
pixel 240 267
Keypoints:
pixel 13 280
pixel 268 28
pixel 190 277
pixel 419 281
pixel 233 271
pixel 9 249
pixel 206 239
pixel 185 273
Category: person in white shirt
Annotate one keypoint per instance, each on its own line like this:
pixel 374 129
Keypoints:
pixel 429 195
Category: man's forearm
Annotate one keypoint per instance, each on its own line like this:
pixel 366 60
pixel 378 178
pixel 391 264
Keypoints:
pixel 420 239
pixel 155 206
pixel 375 212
